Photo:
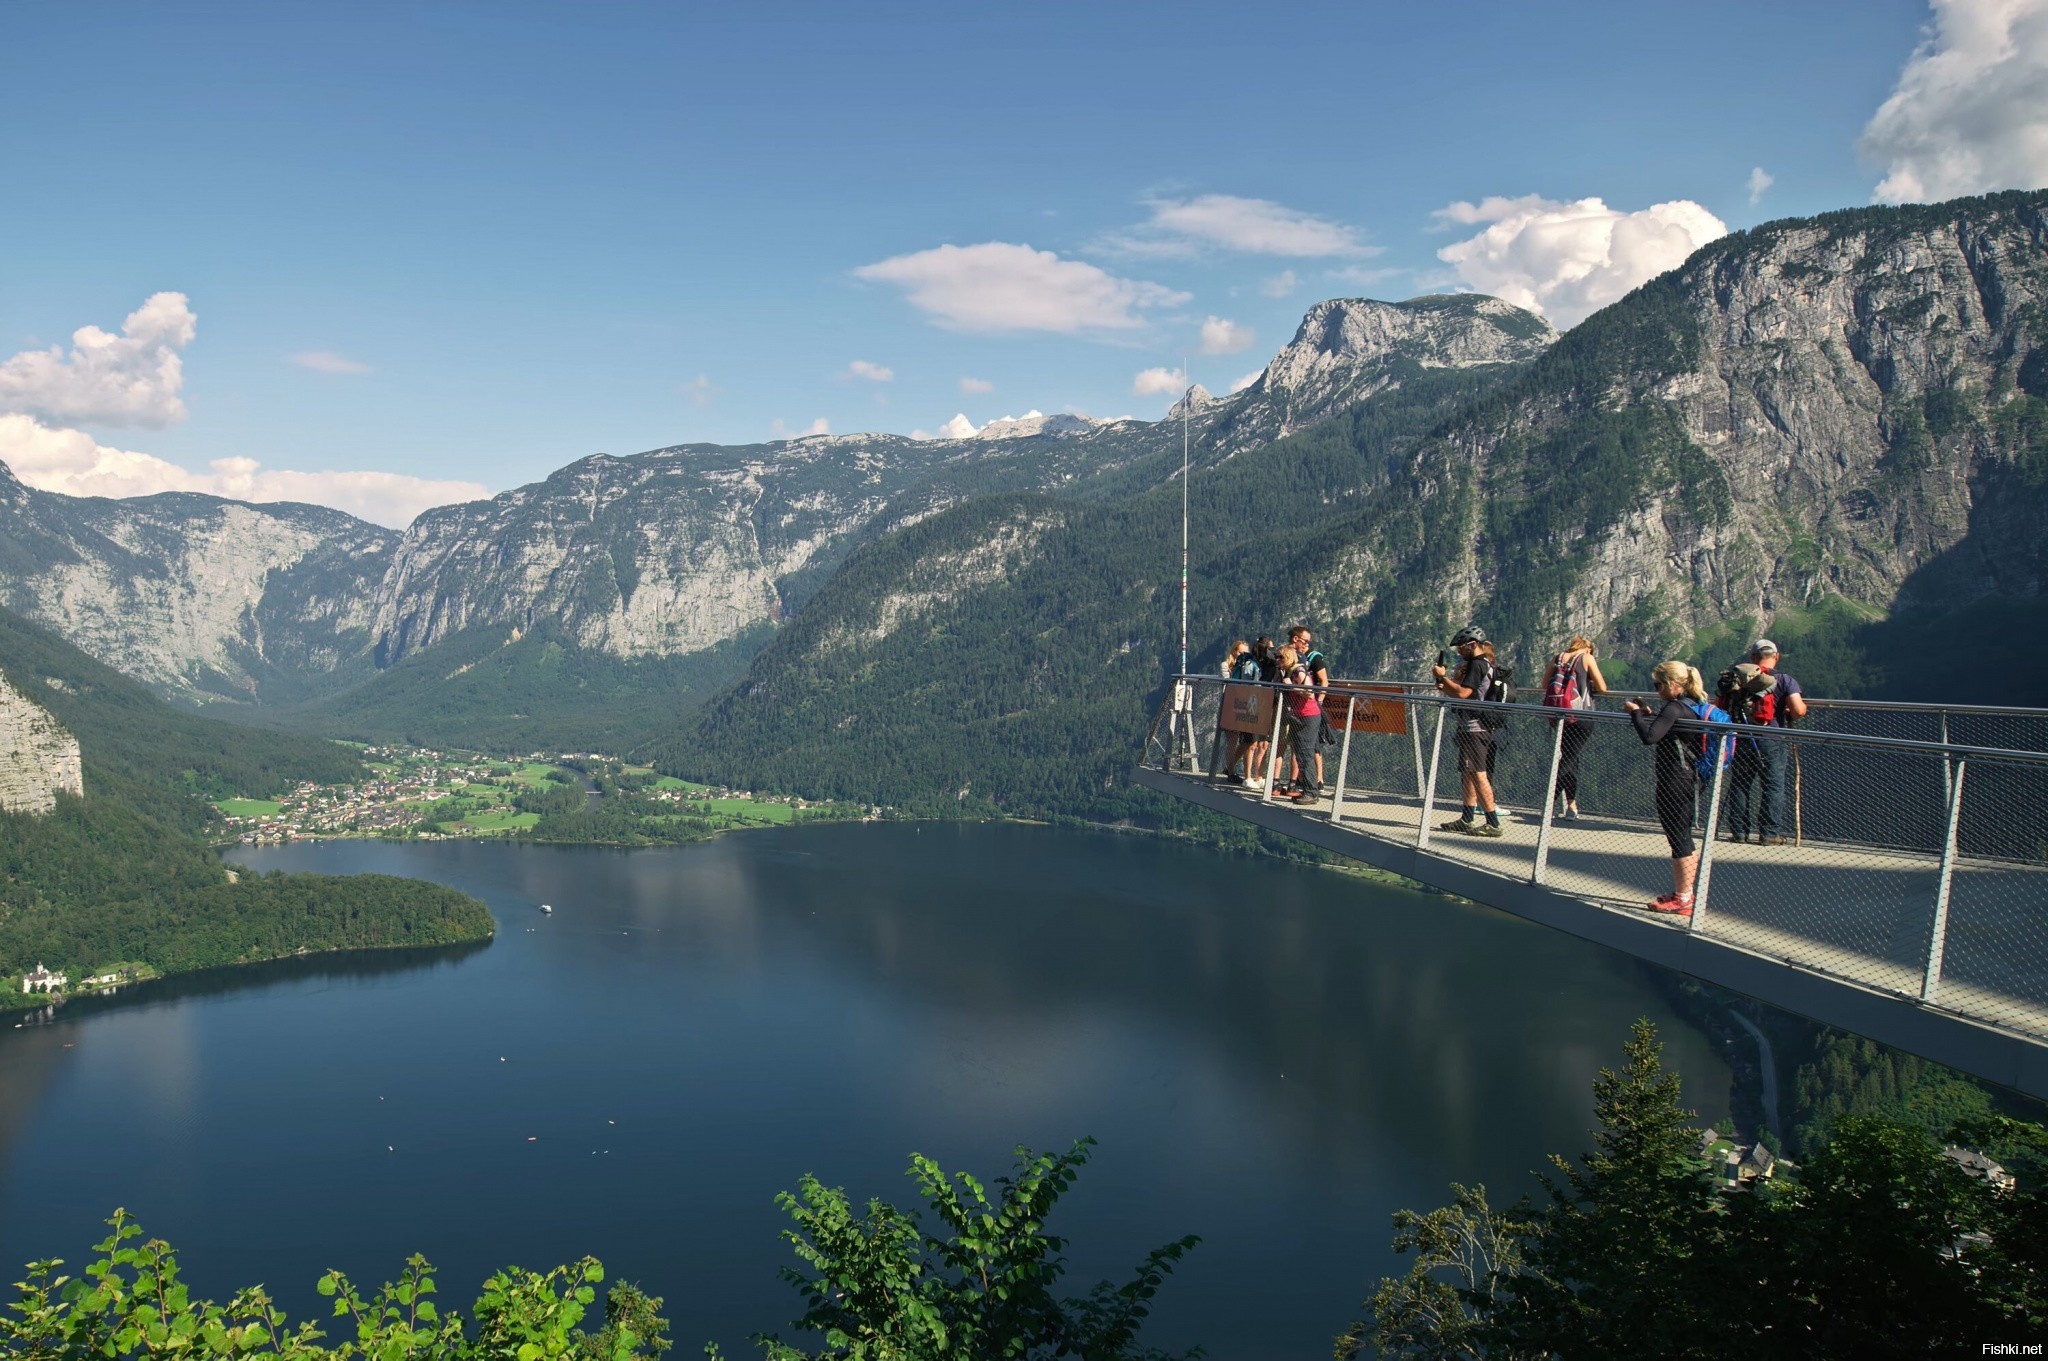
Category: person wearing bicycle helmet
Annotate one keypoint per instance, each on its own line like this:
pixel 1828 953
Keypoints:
pixel 1475 728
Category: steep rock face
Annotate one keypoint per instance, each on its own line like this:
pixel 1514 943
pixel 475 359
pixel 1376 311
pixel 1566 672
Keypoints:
pixel 38 758
pixel 660 554
pixel 1846 409
pixel 1347 349
pixel 193 593
pixel 942 580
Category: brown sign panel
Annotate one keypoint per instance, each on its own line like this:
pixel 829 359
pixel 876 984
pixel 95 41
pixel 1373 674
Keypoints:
pixel 1365 708
pixel 1247 708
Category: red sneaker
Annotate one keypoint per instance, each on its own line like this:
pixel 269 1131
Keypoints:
pixel 1672 904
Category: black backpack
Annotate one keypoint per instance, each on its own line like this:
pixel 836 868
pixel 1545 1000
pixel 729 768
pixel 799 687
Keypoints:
pixel 1497 686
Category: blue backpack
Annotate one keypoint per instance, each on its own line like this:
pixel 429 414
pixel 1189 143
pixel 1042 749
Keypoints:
pixel 1704 765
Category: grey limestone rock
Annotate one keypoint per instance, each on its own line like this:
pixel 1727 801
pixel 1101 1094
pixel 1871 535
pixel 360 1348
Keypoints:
pixel 38 757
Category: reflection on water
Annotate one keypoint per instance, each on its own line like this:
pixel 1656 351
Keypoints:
pixel 1273 1057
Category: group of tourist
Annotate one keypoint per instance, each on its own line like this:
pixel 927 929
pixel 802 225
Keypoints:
pixel 1306 674
pixel 1679 730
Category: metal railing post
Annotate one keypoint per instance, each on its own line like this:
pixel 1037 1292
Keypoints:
pixel 1436 752
pixel 1549 802
pixel 1947 771
pixel 1272 750
pixel 1153 735
pixel 1343 765
pixel 1415 739
pixel 1216 762
pixel 1706 872
pixel 1937 937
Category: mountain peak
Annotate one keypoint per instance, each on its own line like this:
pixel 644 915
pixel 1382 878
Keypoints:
pixel 1347 349
pixel 1441 330
pixel 1038 423
pixel 1195 403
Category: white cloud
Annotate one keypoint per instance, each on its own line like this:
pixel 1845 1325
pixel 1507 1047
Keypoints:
pixel 1153 382
pixel 327 361
pixel 1256 226
pixel 1241 384
pixel 1281 285
pixel 1970 111
pixel 874 373
pixel 976 386
pixel 1760 179
pixel 72 462
pixel 1569 260
pixel 700 391
pixel 958 428
pixel 1225 337
pixel 997 286
pixel 131 379
pixel 778 430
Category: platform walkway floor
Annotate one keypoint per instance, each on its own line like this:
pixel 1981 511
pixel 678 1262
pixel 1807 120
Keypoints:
pixel 1860 913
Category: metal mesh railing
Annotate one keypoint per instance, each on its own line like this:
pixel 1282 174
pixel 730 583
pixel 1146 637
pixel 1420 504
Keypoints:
pixel 1915 866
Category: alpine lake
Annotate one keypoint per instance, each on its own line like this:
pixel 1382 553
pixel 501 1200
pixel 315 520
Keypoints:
pixel 1271 1056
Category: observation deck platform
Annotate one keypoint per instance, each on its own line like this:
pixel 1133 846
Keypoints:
pixel 1908 904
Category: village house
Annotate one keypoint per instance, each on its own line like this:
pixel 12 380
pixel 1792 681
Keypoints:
pixel 1736 1166
pixel 1982 1166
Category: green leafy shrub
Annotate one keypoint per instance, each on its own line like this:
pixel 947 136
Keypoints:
pixel 130 1301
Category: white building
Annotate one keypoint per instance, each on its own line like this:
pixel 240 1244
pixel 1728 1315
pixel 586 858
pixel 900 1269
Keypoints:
pixel 40 979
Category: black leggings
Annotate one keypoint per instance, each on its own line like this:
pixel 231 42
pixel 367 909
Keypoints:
pixel 1568 752
pixel 1676 805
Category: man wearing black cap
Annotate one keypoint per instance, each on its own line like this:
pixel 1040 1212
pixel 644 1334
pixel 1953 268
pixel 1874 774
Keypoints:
pixel 1763 765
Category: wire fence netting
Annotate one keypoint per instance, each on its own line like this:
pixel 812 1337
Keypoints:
pixel 1920 870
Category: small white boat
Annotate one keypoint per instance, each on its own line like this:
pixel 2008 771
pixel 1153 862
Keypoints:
pixel 546 908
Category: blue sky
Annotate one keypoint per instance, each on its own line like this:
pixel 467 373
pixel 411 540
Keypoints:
pixel 509 235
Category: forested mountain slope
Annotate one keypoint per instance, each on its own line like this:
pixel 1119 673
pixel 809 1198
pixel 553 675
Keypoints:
pixel 1818 427
pixel 123 875
pixel 1001 655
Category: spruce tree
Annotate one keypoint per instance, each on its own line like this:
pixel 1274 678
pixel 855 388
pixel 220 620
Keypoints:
pixel 1625 1244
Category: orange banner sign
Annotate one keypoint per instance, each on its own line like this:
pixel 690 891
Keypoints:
pixel 1372 708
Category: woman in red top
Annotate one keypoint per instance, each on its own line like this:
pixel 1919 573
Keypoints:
pixel 1305 719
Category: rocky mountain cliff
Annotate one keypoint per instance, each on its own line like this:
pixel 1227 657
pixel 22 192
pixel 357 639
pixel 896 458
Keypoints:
pixel 1843 415
pixel 192 593
pixel 38 757
pixel 663 553
pixel 1348 349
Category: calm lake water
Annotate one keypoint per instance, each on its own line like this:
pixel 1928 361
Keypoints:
pixel 1275 1058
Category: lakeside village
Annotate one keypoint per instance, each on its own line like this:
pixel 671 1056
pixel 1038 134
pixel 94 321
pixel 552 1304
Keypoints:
pixel 432 795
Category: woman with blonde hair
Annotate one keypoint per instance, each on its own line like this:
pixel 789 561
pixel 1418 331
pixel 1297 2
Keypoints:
pixel 1304 726
pixel 1240 665
pixel 1675 732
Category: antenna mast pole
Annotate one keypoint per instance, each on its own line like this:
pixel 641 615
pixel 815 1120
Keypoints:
pixel 1186 401
pixel 1183 724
